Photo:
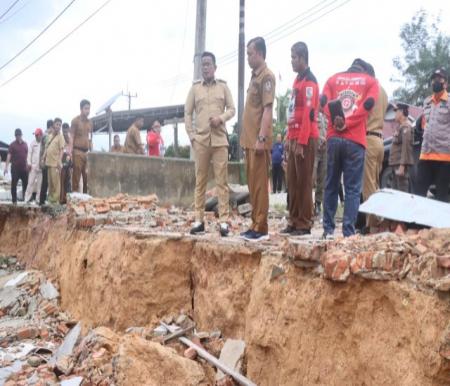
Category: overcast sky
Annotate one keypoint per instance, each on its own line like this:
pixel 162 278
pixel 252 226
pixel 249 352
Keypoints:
pixel 148 45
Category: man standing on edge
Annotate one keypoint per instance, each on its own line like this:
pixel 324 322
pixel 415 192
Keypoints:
pixel 302 137
pixel 401 153
pixel 17 155
pixel 277 167
pixel 256 137
pixel 44 185
pixel 354 93
pixel 210 99
pixel 434 163
pixel 81 143
pixel 34 167
pixel 373 162
pixel 53 160
pixel 133 143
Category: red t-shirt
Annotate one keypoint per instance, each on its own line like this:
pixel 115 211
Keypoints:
pixel 352 89
pixel 303 108
pixel 19 152
pixel 154 140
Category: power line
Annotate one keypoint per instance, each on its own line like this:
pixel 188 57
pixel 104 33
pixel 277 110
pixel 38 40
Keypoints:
pixel 57 43
pixel 233 55
pixel 9 9
pixel 15 13
pixel 38 36
pixel 292 21
pixel 271 41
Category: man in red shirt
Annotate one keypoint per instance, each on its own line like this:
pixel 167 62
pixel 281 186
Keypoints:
pixel 17 155
pixel 356 92
pixel 302 136
pixel 154 139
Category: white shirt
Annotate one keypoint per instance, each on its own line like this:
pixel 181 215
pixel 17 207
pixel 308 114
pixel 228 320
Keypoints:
pixel 33 155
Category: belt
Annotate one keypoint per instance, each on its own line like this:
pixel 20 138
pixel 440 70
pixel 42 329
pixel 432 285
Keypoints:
pixel 83 149
pixel 375 134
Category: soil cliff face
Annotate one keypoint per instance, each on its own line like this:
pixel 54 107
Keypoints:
pixel 298 327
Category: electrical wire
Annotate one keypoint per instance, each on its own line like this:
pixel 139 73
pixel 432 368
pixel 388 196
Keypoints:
pixel 56 44
pixel 9 9
pixel 38 36
pixel 15 13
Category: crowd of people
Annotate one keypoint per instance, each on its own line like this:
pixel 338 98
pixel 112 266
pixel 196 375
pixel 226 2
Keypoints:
pixel 54 163
pixel 333 143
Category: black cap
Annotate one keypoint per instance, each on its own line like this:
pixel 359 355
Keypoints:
pixel 440 72
pixel 401 106
pixel 360 63
pixel 17 132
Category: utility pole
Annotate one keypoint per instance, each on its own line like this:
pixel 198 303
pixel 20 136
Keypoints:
pixel 241 71
pixel 129 96
pixel 200 37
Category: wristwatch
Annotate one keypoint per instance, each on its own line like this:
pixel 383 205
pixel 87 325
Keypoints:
pixel 262 138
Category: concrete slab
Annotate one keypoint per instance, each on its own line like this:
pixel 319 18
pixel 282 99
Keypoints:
pixel 67 345
pixel 399 206
pixel 231 355
pixel 48 291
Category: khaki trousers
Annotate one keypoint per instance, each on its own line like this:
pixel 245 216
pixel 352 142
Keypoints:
pixel 79 170
pixel 257 167
pixel 54 184
pixel 204 155
pixel 373 164
pixel 300 185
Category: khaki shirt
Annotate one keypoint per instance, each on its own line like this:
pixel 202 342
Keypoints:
pixel 375 122
pixel 260 93
pixel 53 150
pixel 133 143
pixel 402 146
pixel 80 132
pixel 118 149
pixel 208 100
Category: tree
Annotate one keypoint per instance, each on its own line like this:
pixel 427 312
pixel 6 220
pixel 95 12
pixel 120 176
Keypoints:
pixel 183 152
pixel 282 106
pixel 426 48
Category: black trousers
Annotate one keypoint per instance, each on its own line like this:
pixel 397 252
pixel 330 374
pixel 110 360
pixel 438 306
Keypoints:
pixel 277 177
pixel 433 172
pixel 44 187
pixel 17 175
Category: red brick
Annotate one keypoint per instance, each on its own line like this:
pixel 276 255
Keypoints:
pixel 190 353
pixel 27 333
pixel 102 208
pixel 443 261
pixel 49 308
pixel 44 333
pixel 62 328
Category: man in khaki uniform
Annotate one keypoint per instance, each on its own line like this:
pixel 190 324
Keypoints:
pixel 256 137
pixel 401 155
pixel 213 105
pixel 80 144
pixel 117 147
pixel 373 162
pixel 53 161
pixel 133 143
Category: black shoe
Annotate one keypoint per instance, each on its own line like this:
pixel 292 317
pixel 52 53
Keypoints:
pixel 301 232
pixel 224 229
pixel 243 234
pixel 327 236
pixel 199 227
pixel 288 230
pixel 317 208
pixel 254 237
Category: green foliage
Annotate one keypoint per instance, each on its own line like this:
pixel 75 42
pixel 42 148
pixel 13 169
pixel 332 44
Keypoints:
pixel 183 152
pixel 426 48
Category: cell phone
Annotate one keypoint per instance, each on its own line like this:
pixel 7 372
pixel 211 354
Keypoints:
pixel 336 110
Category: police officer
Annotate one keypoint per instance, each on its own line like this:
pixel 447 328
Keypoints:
pixel 434 163
pixel 401 154
pixel 211 100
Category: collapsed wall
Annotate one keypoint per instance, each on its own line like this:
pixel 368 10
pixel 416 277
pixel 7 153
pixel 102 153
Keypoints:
pixel 298 327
